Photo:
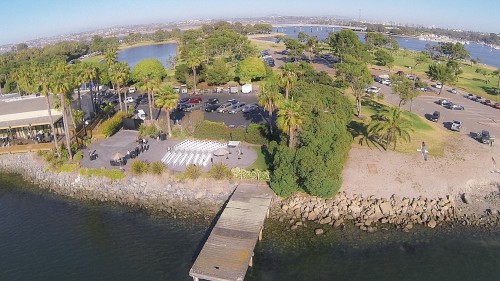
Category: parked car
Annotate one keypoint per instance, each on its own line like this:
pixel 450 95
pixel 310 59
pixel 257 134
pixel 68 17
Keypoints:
pixel 471 97
pixel 190 107
pixel 224 107
pixel 236 108
pixel 488 102
pixel 438 85
pixel 250 108
pixel 454 91
pixel 212 107
pixel 480 100
pixel 386 82
pixel 456 107
pixel 141 114
pixel 435 116
pixel 496 105
pixel 212 101
pixel 442 101
pixel 132 90
pixel 194 100
pixel 373 89
pixel 233 101
pixel 456 126
pixel 129 100
pixel 484 137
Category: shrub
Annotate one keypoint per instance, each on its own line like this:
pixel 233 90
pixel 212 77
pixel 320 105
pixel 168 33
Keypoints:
pixel 138 167
pixel 255 133
pixel 192 172
pixel 149 131
pixel 78 156
pixel 112 125
pixel 156 168
pixel 220 171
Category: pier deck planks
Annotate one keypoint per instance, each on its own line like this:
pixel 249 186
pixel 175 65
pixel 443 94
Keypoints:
pixel 227 252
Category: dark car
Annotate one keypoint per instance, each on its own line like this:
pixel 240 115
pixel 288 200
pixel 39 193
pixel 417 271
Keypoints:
pixel 435 116
pixel 484 137
pixel 212 107
pixel 211 101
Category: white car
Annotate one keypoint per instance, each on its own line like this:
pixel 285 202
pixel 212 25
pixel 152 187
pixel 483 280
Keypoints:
pixel 439 85
pixel 456 125
pixel 132 90
pixel 236 108
pixel 386 82
pixel 129 100
pixel 373 89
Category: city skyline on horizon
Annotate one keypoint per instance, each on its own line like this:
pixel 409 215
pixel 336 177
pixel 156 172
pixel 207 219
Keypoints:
pixel 44 24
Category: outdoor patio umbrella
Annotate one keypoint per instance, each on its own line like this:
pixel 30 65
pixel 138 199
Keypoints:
pixel 221 151
pixel 117 156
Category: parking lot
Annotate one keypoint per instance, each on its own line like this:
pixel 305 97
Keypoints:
pixel 238 119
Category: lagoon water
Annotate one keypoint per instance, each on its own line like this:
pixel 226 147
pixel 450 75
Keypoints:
pixel 486 54
pixel 161 52
pixel 46 237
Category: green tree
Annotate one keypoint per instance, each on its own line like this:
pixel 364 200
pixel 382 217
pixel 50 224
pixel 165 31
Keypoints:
pixel 421 58
pixel 119 73
pixel 110 56
pixel 167 99
pixel 148 73
pixel 452 51
pixel 289 119
pixel 295 48
pixel 193 58
pixel 356 74
pixel 390 127
pixel 42 77
pixel 384 58
pixel 60 84
pixel 270 99
pixel 287 77
pixel 404 88
pixel 483 72
pixel 250 69
pixel 89 74
pixel 218 73
pixel 283 177
pixel 442 73
pixel 346 43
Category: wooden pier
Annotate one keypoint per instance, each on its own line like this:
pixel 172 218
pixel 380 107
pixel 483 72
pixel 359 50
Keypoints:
pixel 228 251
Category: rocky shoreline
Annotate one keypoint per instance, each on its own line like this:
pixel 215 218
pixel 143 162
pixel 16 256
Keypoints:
pixel 202 198
pixel 371 214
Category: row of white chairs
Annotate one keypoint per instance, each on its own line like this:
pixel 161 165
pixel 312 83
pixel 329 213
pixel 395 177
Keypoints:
pixel 198 145
pixel 180 158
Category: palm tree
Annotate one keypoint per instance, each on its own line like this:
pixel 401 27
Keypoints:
pixel 148 73
pixel 390 127
pixel 289 119
pixel 78 80
pixel 110 56
pixel 89 74
pixel 269 99
pixel 287 77
pixel 193 59
pixel 60 85
pixel 42 78
pixel 120 73
pixel 167 99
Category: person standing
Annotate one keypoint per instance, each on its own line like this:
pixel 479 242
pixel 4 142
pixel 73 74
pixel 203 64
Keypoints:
pixel 424 151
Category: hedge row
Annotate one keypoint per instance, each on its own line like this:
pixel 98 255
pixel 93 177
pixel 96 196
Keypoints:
pixel 255 133
pixel 113 124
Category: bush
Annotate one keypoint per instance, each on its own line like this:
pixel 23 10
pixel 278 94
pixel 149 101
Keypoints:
pixel 78 156
pixel 139 167
pixel 148 131
pixel 156 168
pixel 220 171
pixel 255 133
pixel 192 172
pixel 112 125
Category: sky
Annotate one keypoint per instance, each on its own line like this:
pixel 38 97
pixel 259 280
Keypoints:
pixel 23 20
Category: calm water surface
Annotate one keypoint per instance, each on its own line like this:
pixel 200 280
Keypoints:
pixel 161 52
pixel 486 54
pixel 45 237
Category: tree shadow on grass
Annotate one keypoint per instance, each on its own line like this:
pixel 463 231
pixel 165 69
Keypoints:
pixel 491 90
pixel 360 133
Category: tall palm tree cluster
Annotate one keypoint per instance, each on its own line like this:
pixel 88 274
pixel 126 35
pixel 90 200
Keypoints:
pixel 56 80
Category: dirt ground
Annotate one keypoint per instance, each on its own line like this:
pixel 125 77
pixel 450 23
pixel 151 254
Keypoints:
pixel 466 167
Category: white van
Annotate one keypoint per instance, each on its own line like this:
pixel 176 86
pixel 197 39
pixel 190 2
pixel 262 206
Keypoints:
pixel 132 90
pixel 141 114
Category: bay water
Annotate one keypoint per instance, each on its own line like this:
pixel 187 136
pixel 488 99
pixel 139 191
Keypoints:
pixel 46 237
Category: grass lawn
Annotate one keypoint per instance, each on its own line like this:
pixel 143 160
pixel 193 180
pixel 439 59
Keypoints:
pixel 98 58
pixel 423 130
pixel 469 81
pixel 260 163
